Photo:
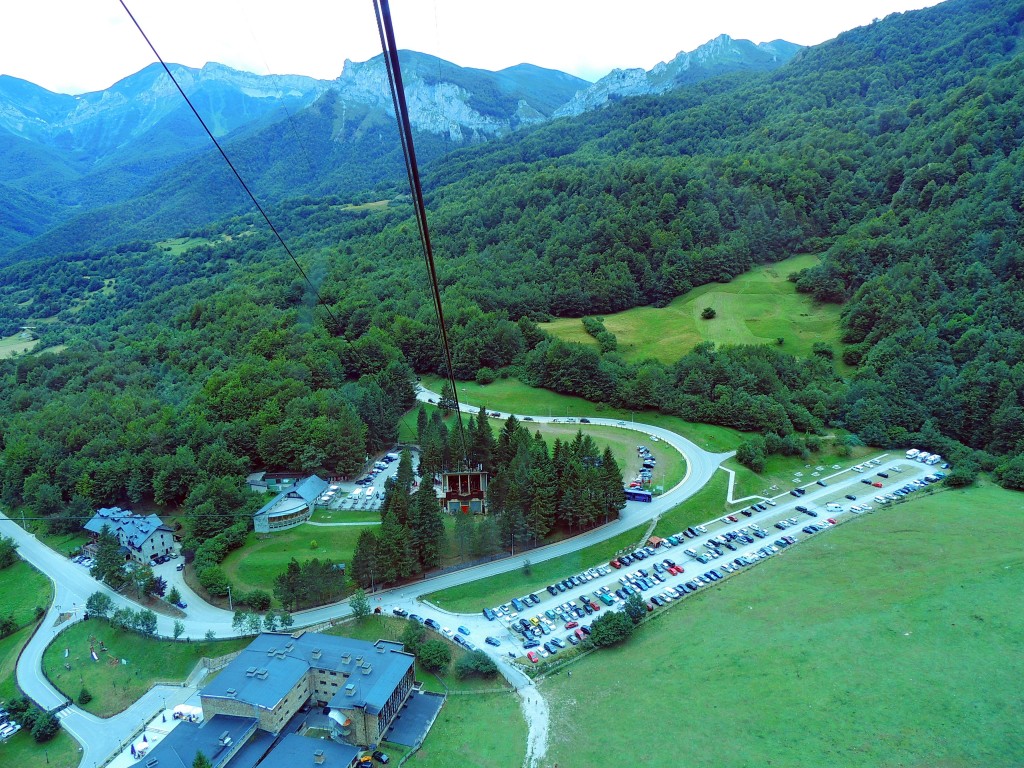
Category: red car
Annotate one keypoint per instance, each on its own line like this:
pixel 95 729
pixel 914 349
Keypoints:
pixel 571 624
pixel 615 564
pixel 594 606
pixel 877 485
pixel 532 656
pixel 831 521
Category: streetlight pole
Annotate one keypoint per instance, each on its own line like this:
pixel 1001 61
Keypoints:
pixel 231 607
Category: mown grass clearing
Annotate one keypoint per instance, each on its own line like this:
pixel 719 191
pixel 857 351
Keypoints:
pixel 16 344
pixel 857 648
pixel 758 307
pixel 707 504
pixel 265 556
pixel 113 685
pixel 34 591
pixel 21 749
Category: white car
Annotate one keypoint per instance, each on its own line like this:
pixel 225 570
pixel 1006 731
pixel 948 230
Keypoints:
pixel 770 501
pixel 447 632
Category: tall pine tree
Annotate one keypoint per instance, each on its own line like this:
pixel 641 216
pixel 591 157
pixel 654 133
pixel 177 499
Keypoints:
pixel 364 560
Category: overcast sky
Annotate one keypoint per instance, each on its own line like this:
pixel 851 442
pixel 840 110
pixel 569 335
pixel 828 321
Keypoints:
pixel 77 46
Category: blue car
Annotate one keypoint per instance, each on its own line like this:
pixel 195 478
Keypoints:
pixel 464 630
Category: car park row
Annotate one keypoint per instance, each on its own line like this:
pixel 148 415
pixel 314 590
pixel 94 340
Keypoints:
pixel 8 726
pixel 545 630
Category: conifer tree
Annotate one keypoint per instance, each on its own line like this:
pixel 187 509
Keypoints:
pixel 364 560
pixel 393 557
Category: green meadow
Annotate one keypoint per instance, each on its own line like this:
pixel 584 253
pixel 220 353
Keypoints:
pixel 113 685
pixel 892 640
pixel 758 307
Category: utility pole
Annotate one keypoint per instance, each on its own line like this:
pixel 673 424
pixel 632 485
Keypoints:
pixel 231 607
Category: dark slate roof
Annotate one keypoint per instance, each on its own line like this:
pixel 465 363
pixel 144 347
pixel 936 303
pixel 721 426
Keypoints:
pixel 294 750
pixel 308 490
pixel 131 529
pixel 179 747
pixel 273 663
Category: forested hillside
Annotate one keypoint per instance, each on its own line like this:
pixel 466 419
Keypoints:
pixel 894 150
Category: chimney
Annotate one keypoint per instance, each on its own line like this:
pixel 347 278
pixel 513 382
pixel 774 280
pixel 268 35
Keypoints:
pixel 250 671
pixel 367 669
pixel 316 653
pixel 359 661
pixel 350 689
pixel 318 757
pixel 231 693
pixel 346 658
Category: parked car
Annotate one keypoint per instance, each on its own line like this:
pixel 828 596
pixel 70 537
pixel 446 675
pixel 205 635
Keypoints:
pixel 492 641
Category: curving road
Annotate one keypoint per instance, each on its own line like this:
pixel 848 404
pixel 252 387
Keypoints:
pixel 73 585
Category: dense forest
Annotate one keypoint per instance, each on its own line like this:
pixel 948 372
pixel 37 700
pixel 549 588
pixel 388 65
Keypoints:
pixel 895 151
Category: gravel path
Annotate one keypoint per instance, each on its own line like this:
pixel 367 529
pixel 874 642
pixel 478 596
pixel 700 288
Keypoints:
pixel 535 711
pixel 538 719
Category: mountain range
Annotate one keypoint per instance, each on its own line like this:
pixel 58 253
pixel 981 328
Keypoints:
pixel 70 166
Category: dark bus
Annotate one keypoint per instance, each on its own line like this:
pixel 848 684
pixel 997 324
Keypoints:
pixel 635 494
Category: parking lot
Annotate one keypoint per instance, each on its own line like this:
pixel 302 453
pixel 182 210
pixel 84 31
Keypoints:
pixel 367 492
pixel 546 622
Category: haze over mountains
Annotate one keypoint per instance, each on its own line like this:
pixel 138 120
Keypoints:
pixel 64 160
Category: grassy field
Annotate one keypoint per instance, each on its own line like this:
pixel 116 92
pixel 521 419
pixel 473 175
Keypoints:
pixel 16 345
pixel 115 686
pixel 706 504
pixel 758 307
pixel 34 590
pixel 494 590
pixel 21 749
pixel 345 516
pixel 460 734
pixel 862 647
pixel 63 751
pixel 265 556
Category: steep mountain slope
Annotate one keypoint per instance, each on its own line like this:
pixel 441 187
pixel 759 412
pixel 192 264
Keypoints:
pixel 116 156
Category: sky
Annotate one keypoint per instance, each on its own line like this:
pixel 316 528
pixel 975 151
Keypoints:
pixel 79 46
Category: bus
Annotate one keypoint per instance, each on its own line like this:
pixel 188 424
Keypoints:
pixel 635 494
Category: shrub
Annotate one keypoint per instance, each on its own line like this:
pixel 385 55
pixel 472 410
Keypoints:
pixel 435 655
pixel 709 313
pixel 84 697
pixel 412 636
pixel 258 600
pixel 214 581
pixel 610 629
pixel 475 664
pixel 45 727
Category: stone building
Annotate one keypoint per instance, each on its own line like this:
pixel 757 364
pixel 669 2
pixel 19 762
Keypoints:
pixel 363 685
